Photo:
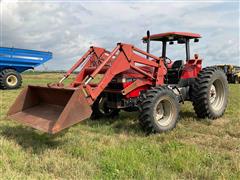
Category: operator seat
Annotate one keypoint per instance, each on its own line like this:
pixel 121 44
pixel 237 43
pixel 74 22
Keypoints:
pixel 175 71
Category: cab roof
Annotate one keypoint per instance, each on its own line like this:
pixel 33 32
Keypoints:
pixel 172 36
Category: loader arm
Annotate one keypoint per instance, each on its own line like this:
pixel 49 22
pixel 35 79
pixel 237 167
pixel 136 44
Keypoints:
pixel 127 57
pixel 90 58
pixel 54 108
pixel 95 53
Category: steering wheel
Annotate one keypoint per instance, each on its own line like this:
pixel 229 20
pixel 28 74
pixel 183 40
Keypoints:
pixel 167 61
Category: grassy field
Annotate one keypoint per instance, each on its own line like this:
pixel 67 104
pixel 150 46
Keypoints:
pixel 109 149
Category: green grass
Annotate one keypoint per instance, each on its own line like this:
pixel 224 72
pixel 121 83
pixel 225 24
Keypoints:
pixel 119 149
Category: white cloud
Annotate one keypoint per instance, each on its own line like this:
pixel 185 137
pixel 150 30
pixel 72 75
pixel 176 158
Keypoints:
pixel 68 29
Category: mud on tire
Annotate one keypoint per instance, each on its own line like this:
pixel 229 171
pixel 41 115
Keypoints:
pixel 160 110
pixel 210 92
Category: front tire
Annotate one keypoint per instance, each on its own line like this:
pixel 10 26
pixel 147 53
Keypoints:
pixel 160 110
pixel 10 79
pixel 101 110
pixel 210 93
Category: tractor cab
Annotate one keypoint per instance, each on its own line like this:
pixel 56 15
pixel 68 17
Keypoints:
pixel 174 68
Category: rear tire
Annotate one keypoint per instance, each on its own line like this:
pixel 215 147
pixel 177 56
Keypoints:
pixel 10 79
pixel 210 93
pixel 160 110
pixel 101 110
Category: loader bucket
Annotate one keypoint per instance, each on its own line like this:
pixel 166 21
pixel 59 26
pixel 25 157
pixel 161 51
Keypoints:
pixel 50 109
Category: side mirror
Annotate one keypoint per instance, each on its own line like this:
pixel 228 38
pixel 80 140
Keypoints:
pixel 196 40
pixel 171 42
pixel 181 40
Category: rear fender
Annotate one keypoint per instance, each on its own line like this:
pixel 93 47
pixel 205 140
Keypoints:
pixel 191 68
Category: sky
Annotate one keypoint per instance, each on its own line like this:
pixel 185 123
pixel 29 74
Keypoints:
pixel 69 28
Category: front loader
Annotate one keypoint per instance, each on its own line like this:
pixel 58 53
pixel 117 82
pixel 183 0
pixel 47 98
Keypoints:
pixel 130 79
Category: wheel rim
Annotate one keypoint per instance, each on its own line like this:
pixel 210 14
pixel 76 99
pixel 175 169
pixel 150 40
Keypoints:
pixel 217 95
pixel 164 111
pixel 12 80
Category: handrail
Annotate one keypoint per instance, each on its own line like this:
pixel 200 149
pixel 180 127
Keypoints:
pixel 145 53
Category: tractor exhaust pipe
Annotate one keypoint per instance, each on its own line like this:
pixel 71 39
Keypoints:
pixel 148 43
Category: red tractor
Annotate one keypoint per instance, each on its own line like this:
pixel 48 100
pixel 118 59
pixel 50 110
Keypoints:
pixel 129 79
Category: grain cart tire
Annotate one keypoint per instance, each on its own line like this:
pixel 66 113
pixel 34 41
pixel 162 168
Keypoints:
pixel 210 93
pixel 100 109
pixel 10 79
pixel 160 110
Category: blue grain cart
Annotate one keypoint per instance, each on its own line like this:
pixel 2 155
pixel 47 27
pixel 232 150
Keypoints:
pixel 14 61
